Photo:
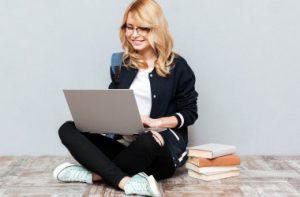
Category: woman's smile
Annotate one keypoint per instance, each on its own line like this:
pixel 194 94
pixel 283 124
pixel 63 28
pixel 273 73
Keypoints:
pixel 137 42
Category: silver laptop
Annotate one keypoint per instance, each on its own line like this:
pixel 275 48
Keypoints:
pixel 105 111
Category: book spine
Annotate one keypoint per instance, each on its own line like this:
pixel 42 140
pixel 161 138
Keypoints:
pixel 228 160
pixel 195 161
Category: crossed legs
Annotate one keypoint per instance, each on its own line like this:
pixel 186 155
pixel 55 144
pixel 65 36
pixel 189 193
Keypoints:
pixel 112 161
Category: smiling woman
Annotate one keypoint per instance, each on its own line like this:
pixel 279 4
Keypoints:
pixel 164 89
pixel 144 26
pixel 137 36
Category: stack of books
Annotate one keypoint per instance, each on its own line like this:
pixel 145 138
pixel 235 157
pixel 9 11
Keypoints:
pixel 212 162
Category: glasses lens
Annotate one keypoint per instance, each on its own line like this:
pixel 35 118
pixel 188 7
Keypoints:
pixel 143 30
pixel 139 30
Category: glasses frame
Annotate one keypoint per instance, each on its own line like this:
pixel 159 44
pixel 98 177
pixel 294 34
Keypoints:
pixel 142 31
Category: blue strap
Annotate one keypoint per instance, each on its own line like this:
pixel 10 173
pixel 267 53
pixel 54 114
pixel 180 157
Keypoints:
pixel 116 60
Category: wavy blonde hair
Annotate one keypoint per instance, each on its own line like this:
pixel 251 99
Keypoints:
pixel 149 14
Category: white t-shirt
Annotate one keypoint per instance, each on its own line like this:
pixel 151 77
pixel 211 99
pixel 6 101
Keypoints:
pixel 142 91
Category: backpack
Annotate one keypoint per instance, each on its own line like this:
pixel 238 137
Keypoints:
pixel 116 64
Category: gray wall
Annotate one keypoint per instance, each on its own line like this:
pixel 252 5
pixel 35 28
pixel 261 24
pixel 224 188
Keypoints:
pixel 245 55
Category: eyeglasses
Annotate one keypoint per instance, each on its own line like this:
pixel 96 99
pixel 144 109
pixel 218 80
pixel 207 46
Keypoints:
pixel 142 31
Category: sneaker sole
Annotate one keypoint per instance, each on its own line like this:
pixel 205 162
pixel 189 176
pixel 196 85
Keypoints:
pixel 59 168
pixel 154 186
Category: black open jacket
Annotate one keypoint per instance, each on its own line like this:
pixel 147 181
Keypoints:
pixel 171 95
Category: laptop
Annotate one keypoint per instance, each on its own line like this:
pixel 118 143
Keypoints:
pixel 105 111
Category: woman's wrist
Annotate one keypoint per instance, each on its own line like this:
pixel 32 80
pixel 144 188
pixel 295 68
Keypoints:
pixel 168 122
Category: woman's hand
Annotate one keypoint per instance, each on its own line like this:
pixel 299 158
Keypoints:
pixel 163 122
pixel 150 122
pixel 158 138
pixel 154 123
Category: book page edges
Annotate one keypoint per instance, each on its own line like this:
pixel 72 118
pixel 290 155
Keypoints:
pixel 215 176
pixel 199 153
pixel 210 170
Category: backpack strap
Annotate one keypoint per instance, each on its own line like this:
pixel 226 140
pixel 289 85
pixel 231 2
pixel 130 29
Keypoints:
pixel 116 64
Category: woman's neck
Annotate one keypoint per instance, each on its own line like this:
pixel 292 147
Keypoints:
pixel 149 56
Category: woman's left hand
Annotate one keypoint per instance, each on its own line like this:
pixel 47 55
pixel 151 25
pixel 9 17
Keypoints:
pixel 158 138
pixel 153 123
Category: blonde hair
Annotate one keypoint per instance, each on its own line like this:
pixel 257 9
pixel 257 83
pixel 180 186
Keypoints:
pixel 149 14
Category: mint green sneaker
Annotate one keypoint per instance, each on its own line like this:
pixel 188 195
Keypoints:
pixel 141 184
pixel 68 172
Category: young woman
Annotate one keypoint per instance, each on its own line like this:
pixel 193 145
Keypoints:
pixel 163 85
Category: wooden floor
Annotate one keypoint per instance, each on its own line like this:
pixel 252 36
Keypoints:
pixel 260 176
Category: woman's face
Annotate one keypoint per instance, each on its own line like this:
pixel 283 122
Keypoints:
pixel 137 36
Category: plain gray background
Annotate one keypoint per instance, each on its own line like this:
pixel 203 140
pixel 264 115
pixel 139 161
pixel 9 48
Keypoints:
pixel 245 55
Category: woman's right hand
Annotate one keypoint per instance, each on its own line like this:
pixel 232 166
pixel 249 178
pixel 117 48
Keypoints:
pixel 151 122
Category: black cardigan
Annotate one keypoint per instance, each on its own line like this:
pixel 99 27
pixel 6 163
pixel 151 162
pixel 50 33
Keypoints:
pixel 171 95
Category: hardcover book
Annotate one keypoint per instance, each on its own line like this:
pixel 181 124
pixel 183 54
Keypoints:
pixel 210 170
pixel 204 177
pixel 211 150
pixel 227 160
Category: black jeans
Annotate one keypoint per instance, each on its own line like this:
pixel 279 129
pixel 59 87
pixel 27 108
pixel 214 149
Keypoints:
pixel 112 160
